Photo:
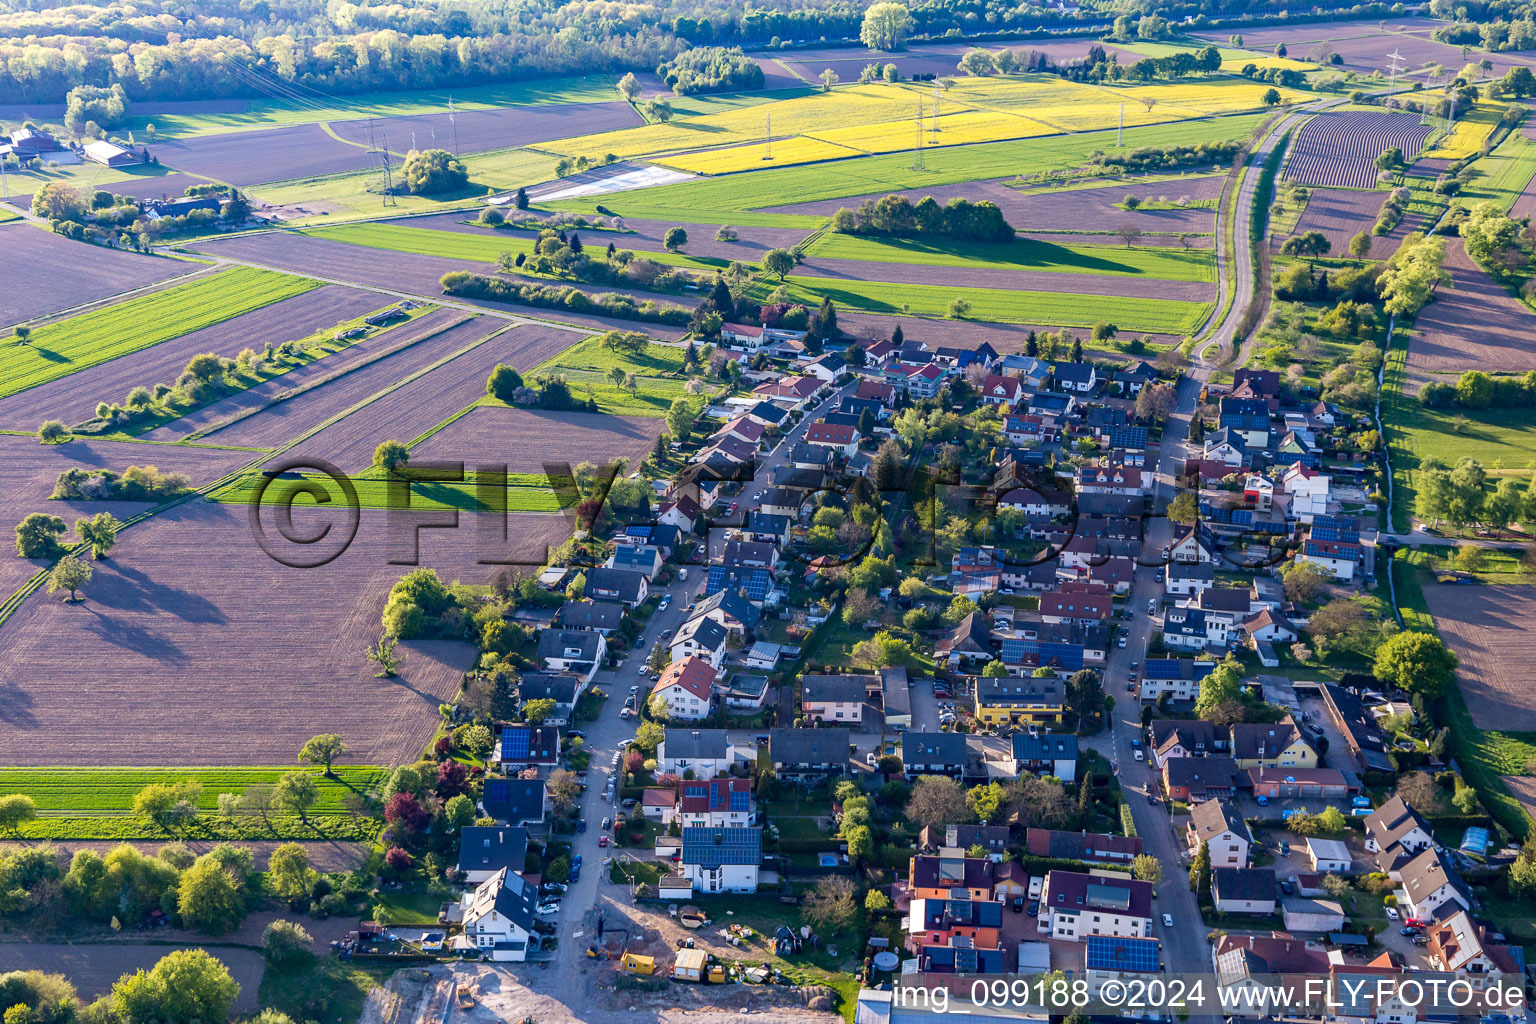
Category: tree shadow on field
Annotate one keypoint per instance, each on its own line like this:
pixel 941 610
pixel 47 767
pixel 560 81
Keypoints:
pixel 50 355
pixel 16 706
pixel 137 592
pixel 155 646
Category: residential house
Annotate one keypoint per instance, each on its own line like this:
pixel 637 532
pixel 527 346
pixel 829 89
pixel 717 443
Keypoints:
pixel 1093 847
pixel 572 650
pixel 1217 824
pixel 1194 545
pixel 826 367
pixel 742 692
pixel 1110 480
pixel 745 337
pixel 625 586
pixel 730 610
pixel 1353 993
pixel 781 501
pixel 1187 579
pixel 1007 701
pixel 1460 945
pixel 1244 890
pixel 925 381
pixel 716 803
pixel 1248 970
pixel 938 876
pixel 874 390
pixel 1225 448
pixel 839 437
pixel 641 558
pixel 682 512
pixel 485 850
pixel 836 698
pixel 933 753
pixel 1076 606
pixel 513 801
pixel 564 688
pixel 991 838
pixel 1074 905
pixel 1080 378
pixel 1366 742
pixel 1190 629
pixel 705 752
pixel 1341 559
pixel 809 456
pixel 1248 417
pixel 801 755
pixel 701 637
pixel 687 687
pixel 955 923
pixel 1004 391
pixel 722 859
pixel 498 917
pixel 659 804
pixel 1430 883
pixel 1271 745
pixel 1046 753
pixel 742 427
pixel 598 616
pixel 1180 678
pixel 896 698
pixel 528 746
pixel 1173 738
pixel 1192 779
pixel 968 644
pixel 768 414
pixel 1396 833
pixel 1309 489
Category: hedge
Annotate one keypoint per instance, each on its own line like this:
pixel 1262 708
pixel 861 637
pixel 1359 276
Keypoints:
pixel 562 297
pixel 334 827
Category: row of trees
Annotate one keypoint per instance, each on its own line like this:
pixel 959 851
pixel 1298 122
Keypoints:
pixel 897 216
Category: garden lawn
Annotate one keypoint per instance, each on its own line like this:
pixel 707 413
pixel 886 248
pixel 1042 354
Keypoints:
pixel 87 339
pixel 1501 565
pixel 1055 309
pixel 459 245
pixel 1503 440
pixel 1024 254
pixel 586 367
pixel 106 790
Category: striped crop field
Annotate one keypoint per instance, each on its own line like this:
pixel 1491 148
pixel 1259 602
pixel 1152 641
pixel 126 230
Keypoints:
pixel 1167 264
pixel 1339 150
pixel 1469 133
pixel 88 339
pixel 111 790
pixel 525 492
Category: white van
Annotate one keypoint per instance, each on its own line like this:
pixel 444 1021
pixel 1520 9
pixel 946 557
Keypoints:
pixel 682 573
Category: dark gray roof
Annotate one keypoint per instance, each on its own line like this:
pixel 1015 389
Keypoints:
pixel 933 748
pixel 623 583
pixel 557 643
pixel 1049 746
pixel 695 744
pixel 706 633
pixel 559 687
pixel 835 689
pixel 513 800
pixel 590 615
pixel 1244 884
pixel 492 847
pixel 729 602
pixel 1006 690
pixel 808 746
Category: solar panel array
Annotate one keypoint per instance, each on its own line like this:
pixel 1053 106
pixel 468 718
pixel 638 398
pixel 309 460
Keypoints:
pixel 712 847
pixel 741 800
pixel 1111 953
pixel 757 583
pixel 515 743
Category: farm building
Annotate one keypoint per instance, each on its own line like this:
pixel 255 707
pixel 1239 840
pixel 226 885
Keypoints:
pixel 1328 855
pixel 111 154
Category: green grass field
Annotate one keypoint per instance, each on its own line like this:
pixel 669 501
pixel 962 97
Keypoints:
pixel 1502 174
pixel 480 248
pixel 6 213
pixel 67 346
pixel 526 492
pixel 659 370
pixel 1053 309
pixel 351 196
pixel 729 198
pixel 1025 254
pixel 1503 440
pixel 280 113
pixel 111 790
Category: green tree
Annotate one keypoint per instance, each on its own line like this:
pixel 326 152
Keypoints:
pixel 680 419
pixel 1360 245
pixel 382 653
pixel 886 26
pixel 1200 871
pixel 169 805
pixel 1223 687
pixel 1146 868
pixel 977 62
pixel 15 810
pixel 935 801
pixel 876 901
pixel 209 898
pixel 53 432
pixel 503 383
pixel 995 670
pixel 1271 97
pixel 1303 581
pixel 537 711
pixel 99 531
pixel 986 801
pixel 37 535
pixel 674 239
pixel 185 986
pixel 284 943
pixel 297 792
pixel 69 574
pixel 323 749
pixel 629 87
pixel 434 171
pixel 288 871
pixel 828 79
pixel 1416 662
pixel 1184 509
pixel 391 457
pixel 778 262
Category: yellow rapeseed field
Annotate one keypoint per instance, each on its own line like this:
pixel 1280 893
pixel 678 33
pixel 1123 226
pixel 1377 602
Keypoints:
pixel 1468 134
pixel 954 129
pixel 1218 97
pixel 754 157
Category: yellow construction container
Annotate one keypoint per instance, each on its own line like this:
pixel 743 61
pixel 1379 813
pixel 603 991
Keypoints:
pixel 717 975
pixel 637 964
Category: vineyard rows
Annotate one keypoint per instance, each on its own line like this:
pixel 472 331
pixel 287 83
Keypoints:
pixel 1340 150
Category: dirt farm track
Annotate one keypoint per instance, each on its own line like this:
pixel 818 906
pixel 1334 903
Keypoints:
pixel 1489 629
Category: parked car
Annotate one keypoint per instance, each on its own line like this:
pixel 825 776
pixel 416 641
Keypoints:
pixel 607 823
pixel 552 887
pixel 576 734
pixel 602 840
pixel 1392 914
pixel 1407 931
pixel 581 825
pixel 1167 920
pixel 1034 908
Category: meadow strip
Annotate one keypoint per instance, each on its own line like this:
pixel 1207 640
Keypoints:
pixel 1023 254
pixel 105 789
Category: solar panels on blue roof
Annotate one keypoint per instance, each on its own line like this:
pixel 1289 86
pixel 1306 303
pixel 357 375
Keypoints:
pixel 495 790
pixel 758 584
pixel 1109 953
pixel 1014 648
pixel 515 743
pixel 741 800
pixel 722 577
pixel 718 574
pixel 1067 656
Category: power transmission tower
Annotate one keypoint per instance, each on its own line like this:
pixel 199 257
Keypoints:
pixel 919 163
pixel 1395 67
pixel 453 121
pixel 389 181
pixel 934 134
pixel 1120 131
pixel 767 136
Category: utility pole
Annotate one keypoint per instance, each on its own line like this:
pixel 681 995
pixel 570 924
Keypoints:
pixel 1395 67
pixel 454 122
pixel 919 163
pixel 767 136
pixel 1120 131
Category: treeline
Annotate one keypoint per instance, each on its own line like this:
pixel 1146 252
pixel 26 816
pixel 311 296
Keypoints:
pixel 565 297
pixel 1478 390
pixel 1167 158
pixel 136 483
pixel 897 216
pixel 711 69
pixel 96 215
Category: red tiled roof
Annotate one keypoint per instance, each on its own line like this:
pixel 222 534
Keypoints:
pixel 693 674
